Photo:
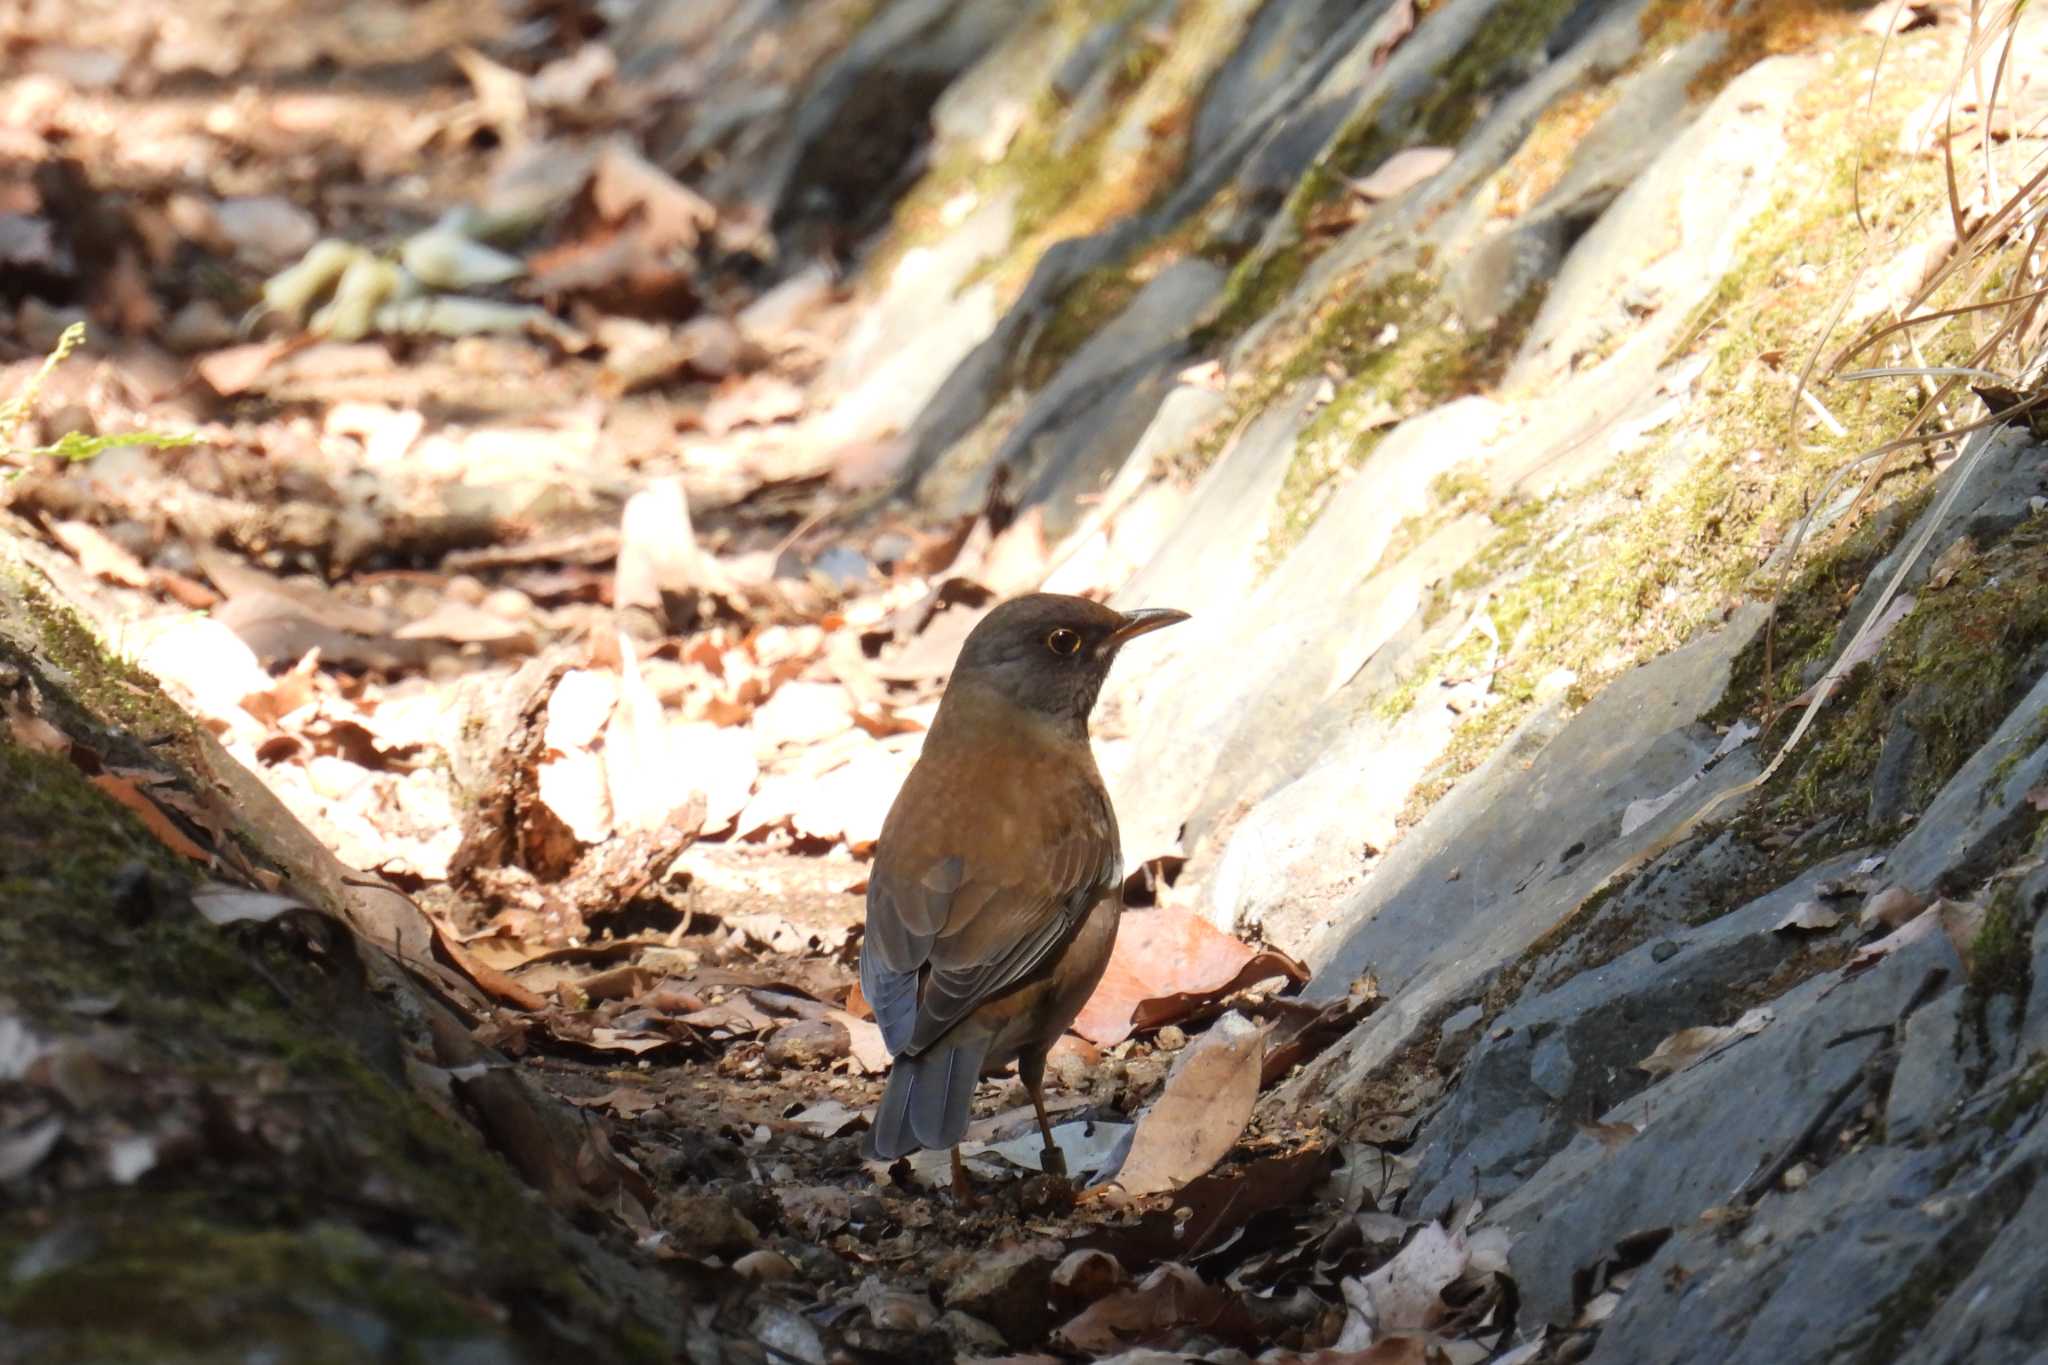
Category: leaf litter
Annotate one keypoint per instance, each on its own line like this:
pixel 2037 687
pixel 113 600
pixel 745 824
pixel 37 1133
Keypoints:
pixel 507 556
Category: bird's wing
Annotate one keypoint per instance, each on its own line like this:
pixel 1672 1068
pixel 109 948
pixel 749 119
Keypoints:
pixel 973 924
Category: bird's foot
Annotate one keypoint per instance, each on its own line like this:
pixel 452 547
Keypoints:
pixel 963 1189
pixel 1052 1160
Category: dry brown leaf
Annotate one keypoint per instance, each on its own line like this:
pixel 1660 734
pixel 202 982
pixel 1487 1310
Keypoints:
pixel 868 1051
pixel 1204 1106
pixel 623 182
pixel 643 775
pixel 1962 921
pixel 222 903
pixel 850 802
pixel 1171 1299
pixel 1167 962
pixel 1894 906
pixel 1405 1294
pixel 1610 1134
pixel 153 819
pixel 657 547
pixel 100 556
pixel 753 401
pixel 1403 171
pixel 1809 916
pixel 802 713
pixel 1400 1350
pixel 232 370
pixel 33 733
pixel 1691 1045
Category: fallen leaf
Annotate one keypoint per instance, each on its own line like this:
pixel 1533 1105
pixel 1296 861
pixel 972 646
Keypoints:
pixel 23 1149
pixel 100 556
pixel 1892 907
pixel 1171 1299
pixel 625 1101
pixel 1203 1107
pixel 868 1050
pixel 657 547
pixel 1950 563
pixel 829 1118
pixel 232 370
pixel 1689 1046
pixel 1403 171
pixel 624 181
pixel 1610 1134
pixel 1405 1294
pixel 222 903
pixel 1963 922
pixel 1809 916
pixel 124 791
pixel 1167 963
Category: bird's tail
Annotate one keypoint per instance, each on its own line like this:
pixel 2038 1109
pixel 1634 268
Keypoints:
pixel 926 1101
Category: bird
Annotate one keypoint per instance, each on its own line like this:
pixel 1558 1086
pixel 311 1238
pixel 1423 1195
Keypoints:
pixel 995 892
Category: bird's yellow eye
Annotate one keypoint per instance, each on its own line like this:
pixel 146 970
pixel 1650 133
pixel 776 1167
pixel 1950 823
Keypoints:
pixel 1064 641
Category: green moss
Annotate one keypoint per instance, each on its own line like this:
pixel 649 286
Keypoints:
pixel 1459 94
pixel 313 1193
pixel 2022 1097
pixel 2001 955
pixel 1950 669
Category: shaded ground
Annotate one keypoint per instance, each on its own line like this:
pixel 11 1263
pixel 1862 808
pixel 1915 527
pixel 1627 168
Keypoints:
pixel 548 628
pixel 533 585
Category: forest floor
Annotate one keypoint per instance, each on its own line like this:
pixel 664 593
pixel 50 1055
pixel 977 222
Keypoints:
pixel 533 598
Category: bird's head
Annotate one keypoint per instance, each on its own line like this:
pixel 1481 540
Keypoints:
pixel 1049 653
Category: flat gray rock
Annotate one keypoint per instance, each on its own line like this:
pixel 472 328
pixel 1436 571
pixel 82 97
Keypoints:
pixel 1553 1059
pixel 1709 1131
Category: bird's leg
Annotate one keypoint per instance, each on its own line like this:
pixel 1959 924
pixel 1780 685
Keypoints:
pixel 963 1190
pixel 1031 1071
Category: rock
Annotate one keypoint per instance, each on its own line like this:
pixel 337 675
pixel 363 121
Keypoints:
pixel 1456 1035
pixel 970 1335
pixel 1554 1058
pixel 1530 834
pixel 707 1224
pixel 1005 1286
pixel 1981 807
pixel 267 232
pixel 807 1044
pixel 1097 404
pixel 1708 1131
pixel 199 326
pixel 1929 1076
pixel 1709 182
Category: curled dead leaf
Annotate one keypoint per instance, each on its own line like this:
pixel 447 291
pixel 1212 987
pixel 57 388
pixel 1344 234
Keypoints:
pixel 1204 1106
pixel 1689 1046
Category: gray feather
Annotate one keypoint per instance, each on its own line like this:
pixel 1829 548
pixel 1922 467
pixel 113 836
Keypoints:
pixel 928 1096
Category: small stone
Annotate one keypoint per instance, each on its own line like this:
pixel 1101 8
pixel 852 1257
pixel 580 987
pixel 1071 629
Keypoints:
pixel 970 1335
pixel 1085 1276
pixel 199 326
pixel 1171 1039
pixel 1004 1286
pixel 808 1044
pixel 765 1266
pixel 1665 951
pixel 268 232
pixel 1796 1176
pixel 707 1223
pixel 1457 1035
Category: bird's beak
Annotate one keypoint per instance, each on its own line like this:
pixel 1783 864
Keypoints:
pixel 1143 620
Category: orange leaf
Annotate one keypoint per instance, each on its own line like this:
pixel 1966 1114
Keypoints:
pixel 1167 963
pixel 153 819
